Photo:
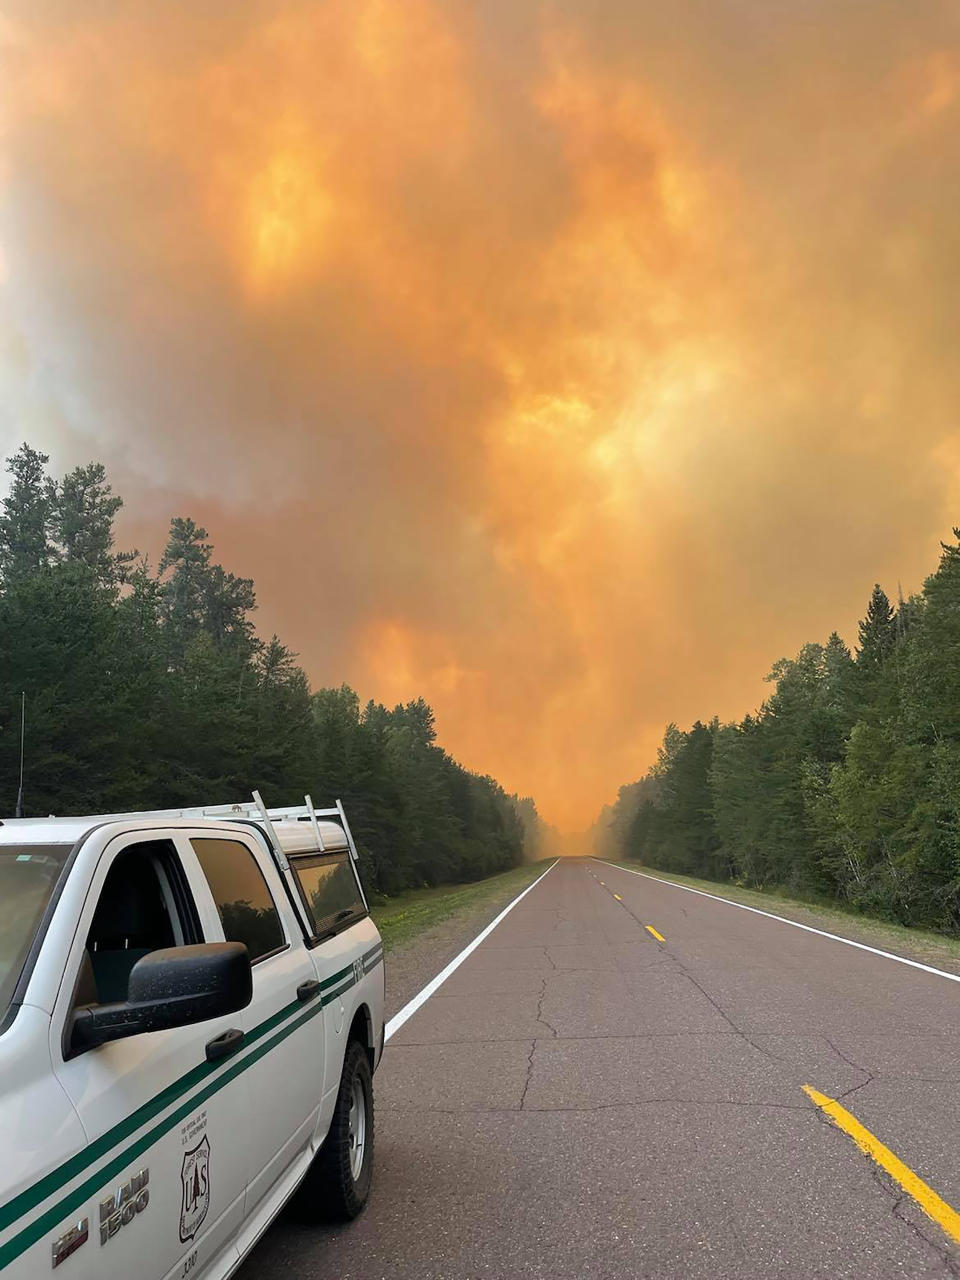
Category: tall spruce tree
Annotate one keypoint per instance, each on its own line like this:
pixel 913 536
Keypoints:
pixel 27 512
pixel 877 631
pixel 82 509
pixel 186 566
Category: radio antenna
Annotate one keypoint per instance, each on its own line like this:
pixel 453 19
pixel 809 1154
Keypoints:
pixel 23 723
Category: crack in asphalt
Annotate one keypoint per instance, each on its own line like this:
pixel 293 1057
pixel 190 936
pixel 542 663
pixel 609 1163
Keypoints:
pixel 540 1018
pixel 865 1071
pixel 941 1250
pixel 678 964
pixel 526 1083
pixel 856 1088
pixel 846 1058
pixel 767 1053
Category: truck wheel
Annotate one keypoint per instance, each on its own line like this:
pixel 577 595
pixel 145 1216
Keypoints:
pixel 338 1182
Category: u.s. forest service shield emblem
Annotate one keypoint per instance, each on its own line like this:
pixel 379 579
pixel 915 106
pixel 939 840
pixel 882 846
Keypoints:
pixel 195 1177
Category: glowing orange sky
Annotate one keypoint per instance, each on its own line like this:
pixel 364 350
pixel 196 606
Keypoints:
pixel 563 363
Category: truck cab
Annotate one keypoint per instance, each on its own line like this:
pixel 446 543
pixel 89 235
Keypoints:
pixel 191 1012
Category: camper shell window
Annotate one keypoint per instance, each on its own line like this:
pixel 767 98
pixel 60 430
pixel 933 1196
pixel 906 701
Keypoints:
pixel 330 890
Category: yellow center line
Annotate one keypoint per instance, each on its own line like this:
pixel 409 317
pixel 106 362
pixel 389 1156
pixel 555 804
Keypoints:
pixel 650 929
pixel 925 1196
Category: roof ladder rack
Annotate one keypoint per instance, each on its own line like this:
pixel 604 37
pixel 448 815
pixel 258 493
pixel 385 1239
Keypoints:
pixel 353 848
pixel 316 825
pixel 274 838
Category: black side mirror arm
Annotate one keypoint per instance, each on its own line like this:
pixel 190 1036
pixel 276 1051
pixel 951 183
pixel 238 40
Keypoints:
pixel 98 1024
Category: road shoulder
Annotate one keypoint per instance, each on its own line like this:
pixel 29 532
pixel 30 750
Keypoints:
pixel 424 930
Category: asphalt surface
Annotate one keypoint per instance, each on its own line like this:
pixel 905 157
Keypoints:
pixel 581 1100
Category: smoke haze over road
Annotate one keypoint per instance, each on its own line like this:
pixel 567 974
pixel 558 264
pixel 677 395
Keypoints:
pixel 565 364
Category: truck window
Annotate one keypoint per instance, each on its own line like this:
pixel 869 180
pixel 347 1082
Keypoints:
pixel 144 905
pixel 28 877
pixel 247 910
pixel 329 888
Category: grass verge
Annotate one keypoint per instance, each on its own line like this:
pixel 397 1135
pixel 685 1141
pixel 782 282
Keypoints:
pixel 916 944
pixel 409 913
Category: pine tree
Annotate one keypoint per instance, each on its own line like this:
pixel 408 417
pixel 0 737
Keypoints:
pixel 226 602
pixel 186 562
pixel 83 508
pixel 25 547
pixel 877 630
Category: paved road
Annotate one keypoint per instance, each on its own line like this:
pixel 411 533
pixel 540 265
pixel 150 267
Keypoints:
pixel 582 1100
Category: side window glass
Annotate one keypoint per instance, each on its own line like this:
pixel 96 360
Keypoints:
pixel 329 888
pixel 247 910
pixel 144 905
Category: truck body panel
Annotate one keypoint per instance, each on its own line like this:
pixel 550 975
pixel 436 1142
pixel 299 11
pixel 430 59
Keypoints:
pixel 167 1153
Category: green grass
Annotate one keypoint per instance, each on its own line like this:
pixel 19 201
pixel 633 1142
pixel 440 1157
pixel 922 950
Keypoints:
pixel 922 944
pixel 409 913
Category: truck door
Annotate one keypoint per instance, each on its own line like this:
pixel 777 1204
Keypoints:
pixel 282 1022
pixel 335 904
pixel 164 1115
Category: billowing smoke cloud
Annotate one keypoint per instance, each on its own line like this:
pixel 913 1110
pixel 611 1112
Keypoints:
pixel 564 363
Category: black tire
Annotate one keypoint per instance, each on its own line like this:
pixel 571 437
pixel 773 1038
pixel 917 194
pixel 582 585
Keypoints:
pixel 330 1192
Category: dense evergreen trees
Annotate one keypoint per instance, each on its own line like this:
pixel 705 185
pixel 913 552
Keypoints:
pixel 846 782
pixel 150 690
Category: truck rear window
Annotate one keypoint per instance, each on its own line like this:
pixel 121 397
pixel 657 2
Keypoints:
pixel 28 877
pixel 247 910
pixel 329 888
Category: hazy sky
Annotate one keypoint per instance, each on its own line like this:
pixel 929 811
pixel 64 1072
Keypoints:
pixel 564 363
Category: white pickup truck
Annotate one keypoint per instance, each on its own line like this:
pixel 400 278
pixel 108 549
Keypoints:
pixel 191 1012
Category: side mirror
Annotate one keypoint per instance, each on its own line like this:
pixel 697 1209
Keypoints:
pixel 174 987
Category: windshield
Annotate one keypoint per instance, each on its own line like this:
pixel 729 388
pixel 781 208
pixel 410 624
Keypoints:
pixel 28 876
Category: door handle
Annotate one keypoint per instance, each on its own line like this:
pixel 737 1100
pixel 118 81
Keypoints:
pixel 223 1045
pixel 307 990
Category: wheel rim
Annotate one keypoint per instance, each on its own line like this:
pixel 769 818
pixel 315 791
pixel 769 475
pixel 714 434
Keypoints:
pixel 357 1128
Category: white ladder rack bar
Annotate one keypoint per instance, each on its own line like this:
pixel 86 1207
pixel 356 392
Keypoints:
pixel 316 825
pixel 274 838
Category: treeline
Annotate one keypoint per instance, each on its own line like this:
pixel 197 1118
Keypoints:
pixel 151 689
pixel 844 785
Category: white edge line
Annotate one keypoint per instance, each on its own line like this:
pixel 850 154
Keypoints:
pixel 409 1009
pixel 834 937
